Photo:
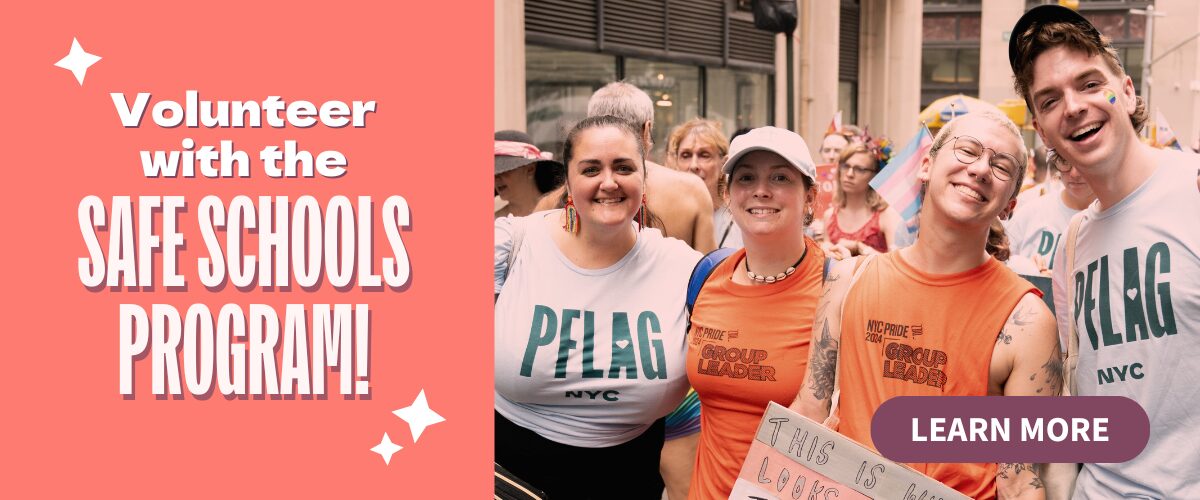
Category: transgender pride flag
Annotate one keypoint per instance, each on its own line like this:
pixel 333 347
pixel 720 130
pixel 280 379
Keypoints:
pixel 897 181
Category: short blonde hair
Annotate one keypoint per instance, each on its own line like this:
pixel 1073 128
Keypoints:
pixel 708 131
pixel 947 131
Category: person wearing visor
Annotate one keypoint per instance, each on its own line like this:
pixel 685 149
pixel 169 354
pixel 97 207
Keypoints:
pixel 1134 273
pixel 752 319
pixel 965 325
pixel 523 173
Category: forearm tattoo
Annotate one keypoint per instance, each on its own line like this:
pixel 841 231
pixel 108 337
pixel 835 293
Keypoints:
pixel 824 365
pixel 1012 471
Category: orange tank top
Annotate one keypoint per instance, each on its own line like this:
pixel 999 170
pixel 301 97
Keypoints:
pixel 910 333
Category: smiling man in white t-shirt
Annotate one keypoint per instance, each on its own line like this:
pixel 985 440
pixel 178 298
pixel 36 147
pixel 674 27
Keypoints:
pixel 1135 275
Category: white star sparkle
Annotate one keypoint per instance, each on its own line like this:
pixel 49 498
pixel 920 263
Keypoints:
pixel 419 416
pixel 386 448
pixel 77 61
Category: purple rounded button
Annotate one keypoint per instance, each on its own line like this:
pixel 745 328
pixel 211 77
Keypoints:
pixel 1040 429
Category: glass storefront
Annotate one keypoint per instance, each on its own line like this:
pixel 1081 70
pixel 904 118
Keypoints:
pixel 738 99
pixel 558 84
pixel 675 91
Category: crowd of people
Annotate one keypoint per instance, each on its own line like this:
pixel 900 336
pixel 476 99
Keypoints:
pixel 647 314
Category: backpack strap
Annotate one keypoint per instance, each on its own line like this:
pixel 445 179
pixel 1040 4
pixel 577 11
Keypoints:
pixel 725 235
pixel 702 271
pixel 1071 360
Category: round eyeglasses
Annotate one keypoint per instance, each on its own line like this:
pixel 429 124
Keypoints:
pixel 1057 161
pixel 857 170
pixel 968 150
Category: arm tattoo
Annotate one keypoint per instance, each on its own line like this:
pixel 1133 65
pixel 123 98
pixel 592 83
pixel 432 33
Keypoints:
pixel 1006 470
pixel 1022 316
pixel 1054 373
pixel 1004 337
pixel 824 365
pixel 1012 471
pixel 829 281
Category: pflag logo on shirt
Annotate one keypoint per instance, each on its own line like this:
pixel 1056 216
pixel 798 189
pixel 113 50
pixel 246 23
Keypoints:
pixel 897 182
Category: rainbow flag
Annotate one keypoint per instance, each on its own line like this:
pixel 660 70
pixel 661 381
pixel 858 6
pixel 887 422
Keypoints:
pixel 897 181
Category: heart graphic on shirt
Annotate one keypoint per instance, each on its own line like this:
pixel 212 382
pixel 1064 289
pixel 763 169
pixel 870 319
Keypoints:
pixel 1131 293
pixel 622 343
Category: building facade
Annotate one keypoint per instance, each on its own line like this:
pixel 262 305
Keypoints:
pixel 878 61
pixel 706 58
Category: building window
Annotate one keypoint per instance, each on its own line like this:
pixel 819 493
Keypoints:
pixel 848 101
pixel 737 99
pixel 675 91
pixel 558 84
pixel 950 31
pixel 848 59
pixel 1127 32
pixel 948 71
pixel 1131 60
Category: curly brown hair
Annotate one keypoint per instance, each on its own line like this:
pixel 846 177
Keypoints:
pixel 1044 36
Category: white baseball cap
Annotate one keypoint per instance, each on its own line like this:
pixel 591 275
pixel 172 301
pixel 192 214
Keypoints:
pixel 782 142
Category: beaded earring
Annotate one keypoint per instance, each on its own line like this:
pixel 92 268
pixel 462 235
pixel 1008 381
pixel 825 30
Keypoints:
pixel 572 215
pixel 641 215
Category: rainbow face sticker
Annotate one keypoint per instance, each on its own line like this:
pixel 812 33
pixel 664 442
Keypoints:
pixel 1110 96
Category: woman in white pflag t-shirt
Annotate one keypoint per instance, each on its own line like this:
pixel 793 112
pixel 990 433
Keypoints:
pixel 590 327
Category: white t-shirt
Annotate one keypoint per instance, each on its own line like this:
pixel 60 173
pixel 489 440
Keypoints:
pixel 1046 188
pixel 1038 225
pixel 589 357
pixel 1137 280
pixel 724 228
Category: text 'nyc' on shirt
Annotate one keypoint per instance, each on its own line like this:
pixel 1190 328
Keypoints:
pixel 1137 316
pixel 590 357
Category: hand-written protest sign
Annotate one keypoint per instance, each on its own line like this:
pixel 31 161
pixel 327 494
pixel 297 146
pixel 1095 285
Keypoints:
pixel 793 457
pixel 268 242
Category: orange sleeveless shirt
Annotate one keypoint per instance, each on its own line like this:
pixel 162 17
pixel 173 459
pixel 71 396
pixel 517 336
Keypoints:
pixel 910 333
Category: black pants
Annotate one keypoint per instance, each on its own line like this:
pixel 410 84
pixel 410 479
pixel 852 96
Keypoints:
pixel 626 471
